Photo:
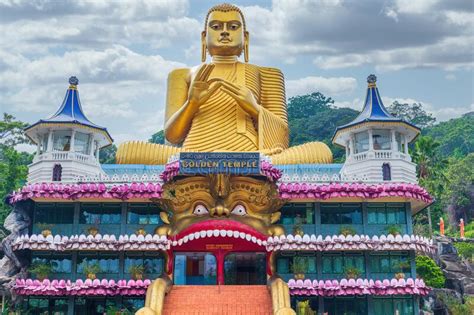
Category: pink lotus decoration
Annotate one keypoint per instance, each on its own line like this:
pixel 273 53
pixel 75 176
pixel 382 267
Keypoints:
pixel 89 242
pixel 87 190
pixel 358 287
pixel 171 170
pixel 349 242
pixel 80 287
pixel 341 190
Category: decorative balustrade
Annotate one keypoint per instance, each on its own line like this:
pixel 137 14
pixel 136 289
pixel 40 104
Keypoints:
pixel 88 242
pixel 379 155
pixel 383 154
pixel 66 155
pixel 349 242
pixel 345 287
pixel 80 287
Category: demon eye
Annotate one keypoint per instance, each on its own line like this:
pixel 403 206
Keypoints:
pixel 200 209
pixel 239 210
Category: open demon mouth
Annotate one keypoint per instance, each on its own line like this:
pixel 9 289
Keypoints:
pixel 219 232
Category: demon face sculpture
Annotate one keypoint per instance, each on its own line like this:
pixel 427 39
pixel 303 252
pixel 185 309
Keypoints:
pixel 219 202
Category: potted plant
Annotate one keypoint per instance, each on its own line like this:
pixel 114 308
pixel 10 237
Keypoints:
pixel 303 308
pixel 41 270
pixel 402 266
pixel 141 231
pixel 137 272
pixel 299 267
pixel 45 228
pixel 352 272
pixel 394 230
pixel 347 230
pixel 298 226
pixel 91 271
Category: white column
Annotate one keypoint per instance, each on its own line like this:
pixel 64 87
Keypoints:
pixel 97 150
pixel 91 143
pixel 38 147
pixel 371 140
pixel 50 142
pixel 394 141
pixel 73 135
pixel 406 144
pixel 347 149
pixel 351 144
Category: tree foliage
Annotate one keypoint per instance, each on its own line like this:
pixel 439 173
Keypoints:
pixel 429 271
pixel 313 117
pixel 158 137
pixel 107 155
pixel 414 113
pixel 456 136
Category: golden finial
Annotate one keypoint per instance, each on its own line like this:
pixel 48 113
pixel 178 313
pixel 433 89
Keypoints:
pixel 73 82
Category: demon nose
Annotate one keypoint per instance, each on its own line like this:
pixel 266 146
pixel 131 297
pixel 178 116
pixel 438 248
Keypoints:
pixel 220 211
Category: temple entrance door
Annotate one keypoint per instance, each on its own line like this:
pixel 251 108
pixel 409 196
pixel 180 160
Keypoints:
pixel 245 268
pixel 198 268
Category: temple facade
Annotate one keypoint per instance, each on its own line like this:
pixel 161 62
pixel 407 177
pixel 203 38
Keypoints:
pixel 328 238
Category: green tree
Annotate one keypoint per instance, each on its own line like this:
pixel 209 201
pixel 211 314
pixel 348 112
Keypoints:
pixel 456 136
pixel 413 113
pixel 107 155
pixel 158 137
pixel 11 131
pixel 313 117
pixel 430 168
pixel 457 194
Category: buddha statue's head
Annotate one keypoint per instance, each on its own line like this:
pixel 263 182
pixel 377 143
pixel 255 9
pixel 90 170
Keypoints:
pixel 224 32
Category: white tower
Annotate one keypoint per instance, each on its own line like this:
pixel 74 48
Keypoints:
pixel 68 143
pixel 376 143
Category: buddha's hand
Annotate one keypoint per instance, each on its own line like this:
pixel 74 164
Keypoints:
pixel 243 96
pixel 200 89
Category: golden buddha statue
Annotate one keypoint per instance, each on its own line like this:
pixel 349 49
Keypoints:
pixel 225 105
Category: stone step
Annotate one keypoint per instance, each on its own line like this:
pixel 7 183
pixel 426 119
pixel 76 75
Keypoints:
pixel 218 300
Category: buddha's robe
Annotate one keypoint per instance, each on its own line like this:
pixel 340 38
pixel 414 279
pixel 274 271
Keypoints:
pixel 222 125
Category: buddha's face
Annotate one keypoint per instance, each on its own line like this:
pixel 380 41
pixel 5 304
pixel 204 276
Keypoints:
pixel 225 33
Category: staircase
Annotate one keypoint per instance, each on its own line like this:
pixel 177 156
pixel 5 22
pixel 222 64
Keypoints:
pixel 218 300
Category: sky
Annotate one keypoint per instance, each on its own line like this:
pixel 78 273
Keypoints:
pixel 122 52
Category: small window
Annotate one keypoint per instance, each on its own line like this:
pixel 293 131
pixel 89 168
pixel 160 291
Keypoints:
pixel 337 263
pixel 57 172
pixel 54 213
pixel 297 213
pixel 361 142
pixel 393 305
pixel 386 213
pixel 346 305
pixel 386 171
pixel 108 264
pixel 61 140
pixel 381 139
pixel 81 142
pixel 153 264
pixel 341 213
pixel 96 213
pixel 390 263
pixel 60 263
pixel 143 214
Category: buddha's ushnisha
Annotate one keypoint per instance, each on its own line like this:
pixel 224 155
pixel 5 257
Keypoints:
pixel 225 105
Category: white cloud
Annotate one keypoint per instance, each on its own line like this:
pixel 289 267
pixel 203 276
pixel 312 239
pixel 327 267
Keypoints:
pixel 329 86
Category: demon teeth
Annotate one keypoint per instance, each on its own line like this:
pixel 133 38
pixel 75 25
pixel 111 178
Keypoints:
pixel 236 234
pixel 223 233
pixel 229 233
pixel 254 239
pixel 203 234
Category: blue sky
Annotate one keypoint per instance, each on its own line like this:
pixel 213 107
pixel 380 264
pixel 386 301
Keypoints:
pixel 122 51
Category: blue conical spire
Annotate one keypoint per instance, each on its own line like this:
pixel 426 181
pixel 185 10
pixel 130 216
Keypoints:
pixel 374 111
pixel 70 111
